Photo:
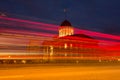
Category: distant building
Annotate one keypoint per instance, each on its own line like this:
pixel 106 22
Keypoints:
pixel 70 45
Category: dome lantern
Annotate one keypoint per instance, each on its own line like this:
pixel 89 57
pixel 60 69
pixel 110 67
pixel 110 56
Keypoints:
pixel 65 29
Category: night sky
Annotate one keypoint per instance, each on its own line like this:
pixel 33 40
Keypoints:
pixel 96 15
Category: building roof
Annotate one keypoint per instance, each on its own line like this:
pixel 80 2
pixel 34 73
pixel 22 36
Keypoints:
pixel 82 35
pixel 73 39
pixel 77 37
pixel 65 23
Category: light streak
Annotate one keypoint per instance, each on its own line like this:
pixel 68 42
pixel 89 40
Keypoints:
pixel 97 34
pixel 45 39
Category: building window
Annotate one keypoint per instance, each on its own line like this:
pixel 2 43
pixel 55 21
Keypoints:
pixel 65 45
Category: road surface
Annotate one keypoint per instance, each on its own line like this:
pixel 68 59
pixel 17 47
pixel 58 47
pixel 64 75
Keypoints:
pixel 58 72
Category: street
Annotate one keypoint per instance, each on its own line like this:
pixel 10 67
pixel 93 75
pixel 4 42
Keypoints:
pixel 56 72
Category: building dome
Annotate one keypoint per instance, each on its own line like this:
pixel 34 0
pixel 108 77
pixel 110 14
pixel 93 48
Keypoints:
pixel 65 29
pixel 65 23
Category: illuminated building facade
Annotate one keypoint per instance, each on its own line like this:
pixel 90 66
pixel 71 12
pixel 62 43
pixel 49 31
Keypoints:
pixel 18 46
pixel 70 46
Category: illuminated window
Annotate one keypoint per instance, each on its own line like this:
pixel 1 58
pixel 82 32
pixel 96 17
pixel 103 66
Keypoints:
pixel 66 30
pixel 65 54
pixel 51 50
pixel 65 45
pixel 70 45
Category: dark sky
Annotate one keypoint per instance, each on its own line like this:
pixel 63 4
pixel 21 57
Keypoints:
pixel 96 15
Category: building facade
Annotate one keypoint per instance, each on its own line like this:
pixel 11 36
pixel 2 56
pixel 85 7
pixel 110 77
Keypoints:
pixel 70 46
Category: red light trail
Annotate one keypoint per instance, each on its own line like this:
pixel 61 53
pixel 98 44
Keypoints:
pixel 50 27
pixel 26 32
pixel 45 32
pixel 98 34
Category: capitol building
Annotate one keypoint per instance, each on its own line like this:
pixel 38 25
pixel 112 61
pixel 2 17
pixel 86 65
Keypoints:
pixel 70 46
